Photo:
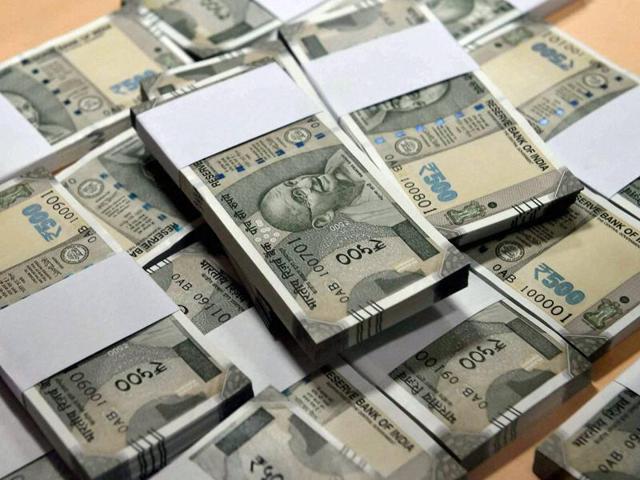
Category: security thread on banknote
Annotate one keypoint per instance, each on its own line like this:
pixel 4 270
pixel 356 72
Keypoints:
pixel 125 412
pixel 270 437
pixel 201 281
pixel 338 258
pixel 359 415
pixel 204 30
pixel 72 101
pixel 51 236
pixel 463 157
pixel 479 380
pixel 131 196
pixel 578 271
pixel 600 441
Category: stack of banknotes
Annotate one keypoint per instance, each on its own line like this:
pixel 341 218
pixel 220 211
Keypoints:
pixel 391 284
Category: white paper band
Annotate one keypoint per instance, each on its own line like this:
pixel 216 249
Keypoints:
pixel 76 317
pixel 602 148
pixel 631 378
pixel 539 7
pixel 21 143
pixel 287 10
pixel 223 115
pixel 386 67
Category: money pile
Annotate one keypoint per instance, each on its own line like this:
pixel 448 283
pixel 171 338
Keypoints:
pixel 476 372
pixel 578 271
pixel 459 151
pixel 299 209
pixel 601 439
pixel 74 103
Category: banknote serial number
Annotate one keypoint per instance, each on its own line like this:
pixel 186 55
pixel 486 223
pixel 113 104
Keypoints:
pixel 554 56
pixel 265 471
pixel 418 197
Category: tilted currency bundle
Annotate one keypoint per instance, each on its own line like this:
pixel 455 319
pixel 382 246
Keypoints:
pixel 476 372
pixel 555 82
pixel 207 29
pixel 601 439
pixel 25 454
pixel 131 196
pixel 270 437
pixel 460 153
pixel 326 249
pixel 367 422
pixel 579 272
pixel 76 103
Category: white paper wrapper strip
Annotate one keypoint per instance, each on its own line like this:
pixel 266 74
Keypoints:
pixel 287 10
pixel 602 148
pixel 57 327
pixel 538 7
pixel 22 144
pixel 387 67
pixel 226 114
pixel 631 378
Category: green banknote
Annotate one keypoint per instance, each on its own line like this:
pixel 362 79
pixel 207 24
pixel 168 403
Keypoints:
pixel 579 271
pixel 361 417
pixel 207 28
pixel 477 373
pixel 239 60
pixel 49 236
pixel 73 101
pixel 599 442
pixel 463 157
pixel 629 198
pixel 48 467
pixel 270 437
pixel 126 411
pixel 132 196
pixel 319 237
pixel 201 281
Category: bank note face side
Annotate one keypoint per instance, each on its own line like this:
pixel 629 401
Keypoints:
pixel 474 376
pixel 132 400
pixel 629 198
pixel 565 80
pixel 127 190
pixel 352 414
pixel 436 139
pixel 469 20
pixel 350 26
pixel 206 31
pixel 329 235
pixel 60 89
pixel 545 266
pixel 597 441
pixel 51 237
pixel 203 284
pixel 269 435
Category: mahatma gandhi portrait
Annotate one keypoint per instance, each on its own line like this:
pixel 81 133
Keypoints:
pixel 28 111
pixel 312 201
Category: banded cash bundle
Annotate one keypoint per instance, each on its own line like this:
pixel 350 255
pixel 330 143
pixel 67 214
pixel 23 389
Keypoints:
pixel 206 29
pixel 462 155
pixel 97 353
pixel 361 417
pixel 579 272
pixel 269 437
pixel 131 196
pixel 476 373
pixel 599 441
pixel 327 250
pixel 69 103
pixel 25 454
pixel 586 107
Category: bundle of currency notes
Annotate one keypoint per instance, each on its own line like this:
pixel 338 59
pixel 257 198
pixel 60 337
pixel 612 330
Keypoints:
pixel 337 266
pixel 601 439
pixel 459 152
pixel 270 437
pixel 131 196
pixel 475 371
pixel 578 271
pixel 361 417
pixel 554 81
pixel 76 103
